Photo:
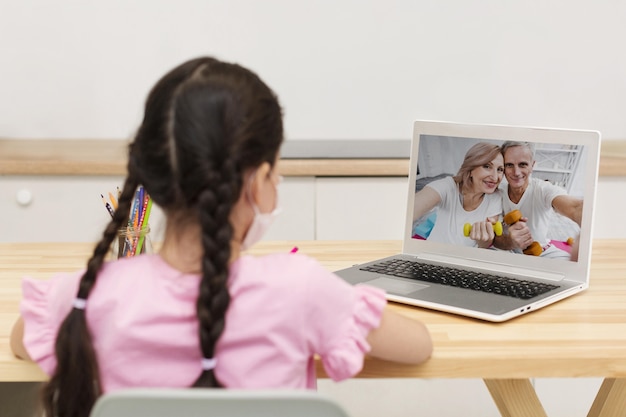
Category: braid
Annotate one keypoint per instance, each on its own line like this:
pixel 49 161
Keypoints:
pixel 75 384
pixel 214 206
pixel 110 233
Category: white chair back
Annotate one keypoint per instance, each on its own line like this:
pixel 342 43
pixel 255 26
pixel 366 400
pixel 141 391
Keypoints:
pixel 205 402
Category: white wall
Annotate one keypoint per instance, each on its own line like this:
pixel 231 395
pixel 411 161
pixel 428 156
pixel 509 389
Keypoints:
pixel 343 69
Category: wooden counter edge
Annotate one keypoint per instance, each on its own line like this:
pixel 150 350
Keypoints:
pixel 106 158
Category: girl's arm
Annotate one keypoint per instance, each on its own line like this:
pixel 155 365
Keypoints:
pixel 17 340
pixel 400 339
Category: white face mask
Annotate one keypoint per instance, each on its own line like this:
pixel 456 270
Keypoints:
pixel 260 224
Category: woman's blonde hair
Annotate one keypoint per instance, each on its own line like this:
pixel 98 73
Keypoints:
pixel 478 155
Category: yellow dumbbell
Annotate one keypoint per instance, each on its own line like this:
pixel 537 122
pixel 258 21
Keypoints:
pixel 497 229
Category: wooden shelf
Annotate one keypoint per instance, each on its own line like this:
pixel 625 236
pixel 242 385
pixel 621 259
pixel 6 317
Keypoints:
pixel 101 157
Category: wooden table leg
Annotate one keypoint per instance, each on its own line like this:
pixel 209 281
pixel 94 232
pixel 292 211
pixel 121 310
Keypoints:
pixel 515 397
pixel 611 399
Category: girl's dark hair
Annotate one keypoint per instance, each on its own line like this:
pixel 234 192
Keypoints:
pixel 205 123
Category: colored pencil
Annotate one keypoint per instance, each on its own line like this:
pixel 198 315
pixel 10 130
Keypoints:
pixel 144 221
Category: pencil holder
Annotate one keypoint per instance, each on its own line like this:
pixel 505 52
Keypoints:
pixel 131 242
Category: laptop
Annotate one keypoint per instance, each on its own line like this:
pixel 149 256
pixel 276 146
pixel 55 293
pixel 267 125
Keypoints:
pixel 447 271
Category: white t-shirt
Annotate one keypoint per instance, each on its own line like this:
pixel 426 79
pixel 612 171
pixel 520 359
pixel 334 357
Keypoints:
pixel 536 205
pixel 451 216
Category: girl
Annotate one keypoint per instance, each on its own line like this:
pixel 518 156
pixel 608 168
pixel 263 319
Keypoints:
pixel 199 313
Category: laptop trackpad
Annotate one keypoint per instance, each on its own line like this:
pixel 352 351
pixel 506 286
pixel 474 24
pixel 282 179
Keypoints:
pixel 395 286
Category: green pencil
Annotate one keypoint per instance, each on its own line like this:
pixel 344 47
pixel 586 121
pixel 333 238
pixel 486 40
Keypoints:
pixel 142 229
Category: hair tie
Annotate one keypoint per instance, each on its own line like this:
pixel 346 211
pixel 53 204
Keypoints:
pixel 208 363
pixel 79 303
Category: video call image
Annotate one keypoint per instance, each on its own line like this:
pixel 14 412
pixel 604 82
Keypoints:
pixel 529 194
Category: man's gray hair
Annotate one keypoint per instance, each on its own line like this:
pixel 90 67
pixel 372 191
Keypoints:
pixel 511 144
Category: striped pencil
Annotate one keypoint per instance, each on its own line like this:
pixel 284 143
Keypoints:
pixel 144 221
pixel 139 224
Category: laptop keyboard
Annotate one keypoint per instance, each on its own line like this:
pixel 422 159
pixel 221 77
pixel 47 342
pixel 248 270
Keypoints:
pixel 454 277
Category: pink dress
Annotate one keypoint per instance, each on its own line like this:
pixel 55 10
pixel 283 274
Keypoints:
pixel 284 310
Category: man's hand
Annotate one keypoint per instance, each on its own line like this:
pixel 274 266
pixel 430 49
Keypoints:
pixel 519 234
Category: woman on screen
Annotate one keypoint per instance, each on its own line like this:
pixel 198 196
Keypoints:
pixel 470 197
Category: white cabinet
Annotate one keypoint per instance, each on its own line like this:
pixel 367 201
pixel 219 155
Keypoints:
pixel 296 197
pixel 360 208
pixel 53 209
pixel 70 209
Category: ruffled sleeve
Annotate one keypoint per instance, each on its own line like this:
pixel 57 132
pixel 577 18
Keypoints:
pixel 345 356
pixel 43 307
pixel 344 316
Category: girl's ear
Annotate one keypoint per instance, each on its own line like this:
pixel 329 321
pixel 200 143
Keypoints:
pixel 258 181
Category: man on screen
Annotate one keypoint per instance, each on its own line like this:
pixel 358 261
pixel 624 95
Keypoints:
pixel 536 199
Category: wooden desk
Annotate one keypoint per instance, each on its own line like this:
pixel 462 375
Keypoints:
pixel 583 336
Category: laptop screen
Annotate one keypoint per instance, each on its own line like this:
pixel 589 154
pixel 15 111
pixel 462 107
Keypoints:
pixel 534 187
